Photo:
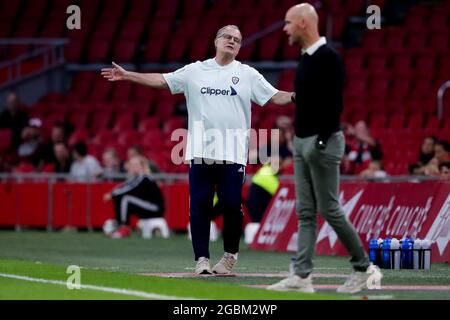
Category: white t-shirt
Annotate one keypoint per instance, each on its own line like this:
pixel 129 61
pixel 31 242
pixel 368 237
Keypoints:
pixel 85 169
pixel 218 101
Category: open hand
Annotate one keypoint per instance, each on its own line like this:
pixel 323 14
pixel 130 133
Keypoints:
pixel 116 73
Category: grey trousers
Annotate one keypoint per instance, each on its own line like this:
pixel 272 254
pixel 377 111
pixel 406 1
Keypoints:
pixel 317 190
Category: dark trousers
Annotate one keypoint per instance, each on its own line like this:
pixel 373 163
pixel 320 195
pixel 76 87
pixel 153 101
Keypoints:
pixel 204 180
pixel 257 203
pixel 126 205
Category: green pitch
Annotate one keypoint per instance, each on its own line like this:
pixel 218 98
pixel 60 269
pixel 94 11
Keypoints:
pixel 33 266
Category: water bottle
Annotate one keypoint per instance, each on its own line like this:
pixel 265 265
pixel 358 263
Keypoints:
pixel 406 253
pixel 386 253
pixel 426 254
pixel 373 251
pixel 395 254
pixel 417 254
pixel 380 242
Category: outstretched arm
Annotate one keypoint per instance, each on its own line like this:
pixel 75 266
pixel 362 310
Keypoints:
pixel 117 73
pixel 282 97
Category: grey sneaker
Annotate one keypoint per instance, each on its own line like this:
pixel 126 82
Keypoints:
pixel 225 265
pixel 358 281
pixel 294 283
pixel 203 266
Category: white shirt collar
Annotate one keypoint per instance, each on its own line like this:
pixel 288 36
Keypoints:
pixel 316 45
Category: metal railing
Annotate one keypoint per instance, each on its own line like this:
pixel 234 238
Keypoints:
pixel 52 55
pixel 173 177
pixel 440 99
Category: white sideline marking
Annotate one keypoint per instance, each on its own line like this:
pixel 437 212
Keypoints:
pixel 140 294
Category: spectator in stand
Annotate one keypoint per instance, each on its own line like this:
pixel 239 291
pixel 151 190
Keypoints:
pixel 442 151
pixel 14 118
pixel 111 163
pixel 63 160
pixel 425 155
pixel 444 171
pixel 427 150
pixel 374 170
pixel 57 135
pixel 85 166
pixel 135 151
pixel 31 148
pixel 441 155
pixel 361 148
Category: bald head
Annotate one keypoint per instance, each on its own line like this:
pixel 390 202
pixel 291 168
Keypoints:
pixel 302 24
pixel 304 11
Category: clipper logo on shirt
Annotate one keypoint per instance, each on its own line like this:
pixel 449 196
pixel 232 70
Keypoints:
pixel 218 92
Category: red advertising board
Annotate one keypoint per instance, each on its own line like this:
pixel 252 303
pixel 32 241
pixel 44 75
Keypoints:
pixel 419 210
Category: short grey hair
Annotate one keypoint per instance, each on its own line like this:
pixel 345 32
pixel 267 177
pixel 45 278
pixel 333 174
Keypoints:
pixel 232 26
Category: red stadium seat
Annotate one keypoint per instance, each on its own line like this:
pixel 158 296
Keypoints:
pixel 193 8
pixel 125 49
pixel 373 39
pixel 400 87
pixel 177 48
pixel 377 122
pixel 5 140
pixel 377 62
pixel 354 60
pixel 73 51
pixel 100 91
pixel 155 48
pixel 438 20
pixel 433 122
pixel 199 48
pixel 54 29
pixel 100 120
pixel 268 46
pixel 79 119
pixel 98 50
pixel 165 108
pixel 129 138
pixel 439 40
pixel 174 123
pixel 48 168
pixel 167 9
pixel 153 140
pixel 425 63
pixel 415 40
pixel 80 135
pixel 356 85
pixel 24 167
pixel 401 63
pixel 378 86
pixel 148 124
pixel 104 137
pixel 124 122
pixel 121 92
pixel 139 9
pixel 415 122
pixel 394 39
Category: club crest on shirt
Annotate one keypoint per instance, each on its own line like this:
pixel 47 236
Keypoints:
pixel 235 80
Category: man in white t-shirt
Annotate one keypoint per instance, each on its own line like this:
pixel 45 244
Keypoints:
pixel 218 93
